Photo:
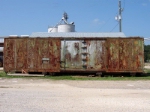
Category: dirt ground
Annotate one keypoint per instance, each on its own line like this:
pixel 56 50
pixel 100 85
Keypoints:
pixel 42 95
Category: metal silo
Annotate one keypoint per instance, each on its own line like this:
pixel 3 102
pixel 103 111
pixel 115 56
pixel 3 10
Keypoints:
pixel 66 28
pixel 50 29
pixel 63 25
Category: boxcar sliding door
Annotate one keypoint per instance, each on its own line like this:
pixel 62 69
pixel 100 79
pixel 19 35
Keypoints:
pixel 84 55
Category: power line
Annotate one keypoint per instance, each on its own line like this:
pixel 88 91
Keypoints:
pixel 119 17
pixel 114 27
pixel 124 4
pixel 107 21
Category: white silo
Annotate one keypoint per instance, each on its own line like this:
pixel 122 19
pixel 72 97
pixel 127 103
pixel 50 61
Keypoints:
pixel 66 28
pixel 63 27
pixel 52 29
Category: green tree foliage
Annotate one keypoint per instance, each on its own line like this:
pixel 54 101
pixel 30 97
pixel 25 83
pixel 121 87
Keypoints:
pixel 146 53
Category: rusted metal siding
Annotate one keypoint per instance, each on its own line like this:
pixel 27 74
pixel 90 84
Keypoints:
pixel 15 54
pixel 79 54
pixel 71 54
pixel 125 55
pixel 43 54
pixel 32 54
pixel 112 55
pixel 96 50
pixel 20 51
pixel 87 55
pixel 138 55
pixel 9 55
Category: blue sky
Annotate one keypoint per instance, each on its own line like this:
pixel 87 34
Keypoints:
pixel 22 17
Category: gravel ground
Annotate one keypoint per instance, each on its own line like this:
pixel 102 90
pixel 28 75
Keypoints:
pixel 41 95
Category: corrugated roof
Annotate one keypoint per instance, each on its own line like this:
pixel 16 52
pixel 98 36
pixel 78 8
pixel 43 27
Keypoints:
pixel 77 34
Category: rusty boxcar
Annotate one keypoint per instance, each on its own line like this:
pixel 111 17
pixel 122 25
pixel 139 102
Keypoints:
pixel 74 54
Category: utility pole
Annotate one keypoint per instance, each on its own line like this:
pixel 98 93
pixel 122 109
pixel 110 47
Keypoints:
pixel 120 17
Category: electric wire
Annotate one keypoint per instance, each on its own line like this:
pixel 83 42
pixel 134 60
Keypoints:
pixel 110 18
pixel 114 27
pixel 124 4
pixel 106 22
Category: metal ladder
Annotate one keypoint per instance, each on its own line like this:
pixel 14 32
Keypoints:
pixel 84 55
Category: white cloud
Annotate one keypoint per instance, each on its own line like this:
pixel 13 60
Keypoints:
pixel 144 4
pixel 97 22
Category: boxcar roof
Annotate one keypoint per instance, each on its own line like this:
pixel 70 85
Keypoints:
pixel 77 34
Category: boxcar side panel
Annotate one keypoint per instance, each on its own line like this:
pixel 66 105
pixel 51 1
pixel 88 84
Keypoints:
pixel 112 55
pixel 32 54
pixel 44 54
pixel 138 55
pixel 125 55
pixel 55 55
pixel 20 54
pixel 9 54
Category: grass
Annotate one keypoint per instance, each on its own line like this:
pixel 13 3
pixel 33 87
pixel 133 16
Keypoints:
pixel 96 78
pixel 79 77
pixel 3 74
pixel 147 71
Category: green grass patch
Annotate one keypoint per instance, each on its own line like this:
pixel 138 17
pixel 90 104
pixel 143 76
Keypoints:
pixel 79 77
pixel 95 78
pixel 3 74
pixel 147 71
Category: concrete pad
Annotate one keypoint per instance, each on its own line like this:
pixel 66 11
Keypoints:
pixel 20 74
pixel 1 69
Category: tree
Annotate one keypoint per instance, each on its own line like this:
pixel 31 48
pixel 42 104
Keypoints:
pixel 146 53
